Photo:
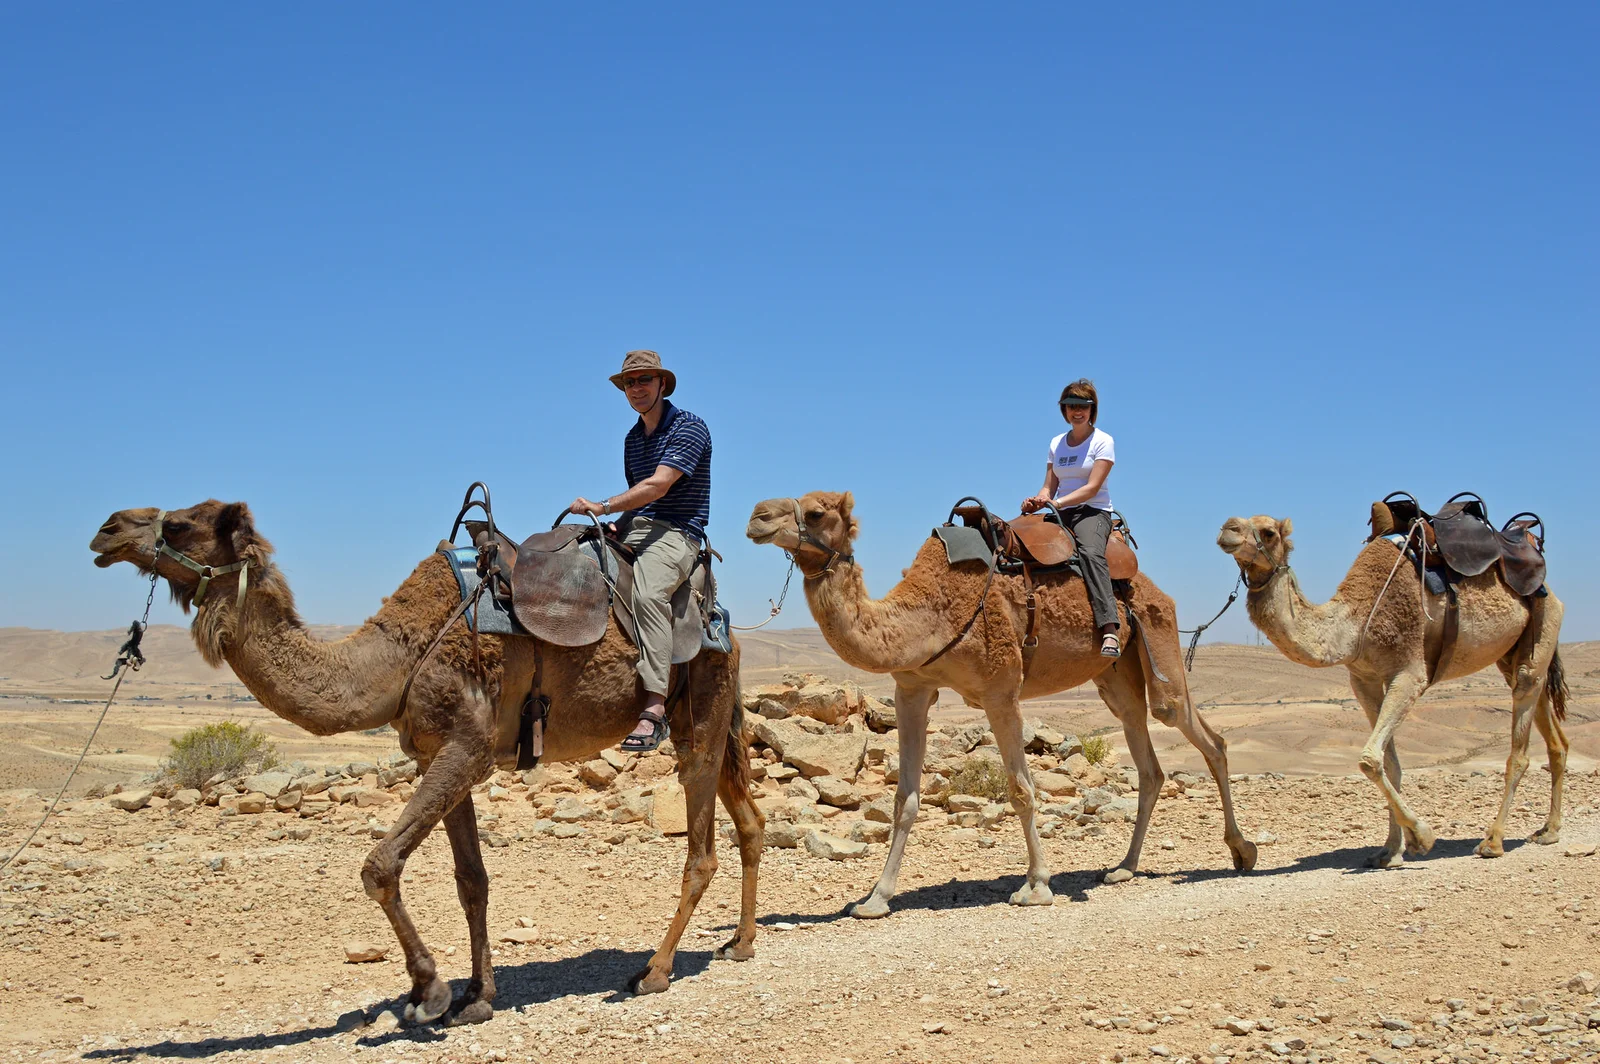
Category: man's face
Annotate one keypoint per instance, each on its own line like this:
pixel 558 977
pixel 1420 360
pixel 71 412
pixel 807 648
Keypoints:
pixel 643 389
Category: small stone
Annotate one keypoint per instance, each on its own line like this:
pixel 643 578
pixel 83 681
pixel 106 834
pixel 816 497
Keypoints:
pixel 288 801
pixel 1402 1041
pixel 1582 851
pixel 836 792
pixel 965 803
pixel 832 848
pixel 132 801
pixel 270 784
pixel 1235 1026
pixel 183 800
pixel 869 831
pixel 669 809
pixel 384 1022
pixel 783 834
pixel 1392 1023
pixel 363 953
pixel 935 1028
pixel 523 935
pixel 1159 1050
pixel 1266 838
pixel 597 773
pixel 1584 983
pixel 252 802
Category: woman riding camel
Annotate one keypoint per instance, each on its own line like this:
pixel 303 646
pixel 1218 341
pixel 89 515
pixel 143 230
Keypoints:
pixel 1075 481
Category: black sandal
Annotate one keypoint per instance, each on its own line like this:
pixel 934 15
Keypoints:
pixel 645 744
pixel 1112 649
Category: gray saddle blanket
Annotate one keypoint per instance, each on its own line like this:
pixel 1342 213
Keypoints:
pixel 963 544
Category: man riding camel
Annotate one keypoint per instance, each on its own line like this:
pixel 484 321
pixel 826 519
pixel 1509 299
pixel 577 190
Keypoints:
pixel 666 458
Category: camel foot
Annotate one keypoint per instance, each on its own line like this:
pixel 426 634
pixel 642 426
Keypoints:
pixel 1490 848
pixel 1117 875
pixel 870 908
pixel 1387 859
pixel 1244 855
pixel 429 1003
pixel 1420 840
pixel 1546 836
pixel 649 981
pixel 470 1012
pixel 1034 894
pixel 735 949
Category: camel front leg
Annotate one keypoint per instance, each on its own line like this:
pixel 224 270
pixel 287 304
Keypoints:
pixel 1214 748
pixel 476 1004
pixel 1381 765
pixel 1123 694
pixel 448 780
pixel 698 774
pixel 1369 694
pixel 911 712
pixel 1006 721
pixel 1527 691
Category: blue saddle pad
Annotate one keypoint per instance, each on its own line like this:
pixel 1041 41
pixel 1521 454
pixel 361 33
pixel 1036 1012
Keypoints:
pixel 492 617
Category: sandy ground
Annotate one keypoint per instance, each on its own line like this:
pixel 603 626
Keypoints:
pixel 154 935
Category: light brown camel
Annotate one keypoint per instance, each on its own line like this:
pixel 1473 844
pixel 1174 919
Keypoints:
pixel 457 720
pixel 1388 659
pixel 899 633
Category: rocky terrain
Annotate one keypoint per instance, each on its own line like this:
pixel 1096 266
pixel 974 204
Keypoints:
pixel 148 921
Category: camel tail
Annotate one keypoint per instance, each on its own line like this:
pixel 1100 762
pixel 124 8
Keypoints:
pixel 736 758
pixel 1555 686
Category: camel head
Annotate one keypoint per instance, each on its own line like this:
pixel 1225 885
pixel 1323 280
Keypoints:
pixel 828 524
pixel 213 534
pixel 1259 544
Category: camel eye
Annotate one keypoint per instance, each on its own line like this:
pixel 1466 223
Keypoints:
pixel 813 515
pixel 1268 534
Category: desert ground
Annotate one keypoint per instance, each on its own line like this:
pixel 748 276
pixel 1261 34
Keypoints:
pixel 203 933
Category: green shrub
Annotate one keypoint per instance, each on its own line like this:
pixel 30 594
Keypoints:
pixel 227 746
pixel 984 777
pixel 1096 748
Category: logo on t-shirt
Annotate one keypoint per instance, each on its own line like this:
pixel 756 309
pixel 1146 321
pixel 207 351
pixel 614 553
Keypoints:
pixel 1067 459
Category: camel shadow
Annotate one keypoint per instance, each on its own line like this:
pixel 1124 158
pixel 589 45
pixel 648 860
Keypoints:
pixel 1351 860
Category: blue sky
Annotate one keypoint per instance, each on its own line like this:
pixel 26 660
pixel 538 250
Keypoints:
pixel 341 261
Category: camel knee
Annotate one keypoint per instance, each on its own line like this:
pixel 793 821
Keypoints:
pixel 472 886
pixel 906 807
pixel 380 875
pixel 699 872
pixel 1372 764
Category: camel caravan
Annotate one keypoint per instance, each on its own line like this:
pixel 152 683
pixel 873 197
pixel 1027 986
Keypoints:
pixel 593 635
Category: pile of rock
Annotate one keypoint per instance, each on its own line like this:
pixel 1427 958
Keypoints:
pixel 824 760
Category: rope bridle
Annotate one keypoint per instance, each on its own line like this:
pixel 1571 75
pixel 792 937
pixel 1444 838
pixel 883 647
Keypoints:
pixel 206 572
pixel 1261 548
pixel 806 539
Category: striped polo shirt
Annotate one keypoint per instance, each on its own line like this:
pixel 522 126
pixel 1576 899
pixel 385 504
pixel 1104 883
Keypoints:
pixel 683 442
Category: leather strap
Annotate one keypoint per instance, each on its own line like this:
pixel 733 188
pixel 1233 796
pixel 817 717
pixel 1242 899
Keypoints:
pixel 1030 641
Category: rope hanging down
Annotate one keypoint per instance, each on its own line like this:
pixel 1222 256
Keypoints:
pixel 1194 633
pixel 777 607
pixel 128 655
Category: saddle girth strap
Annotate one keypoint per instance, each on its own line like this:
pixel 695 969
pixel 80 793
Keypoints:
pixel 1030 641
pixel 535 710
pixel 1447 635
pixel 983 604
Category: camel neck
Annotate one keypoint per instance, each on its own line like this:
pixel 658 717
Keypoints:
pixel 867 633
pixel 1312 634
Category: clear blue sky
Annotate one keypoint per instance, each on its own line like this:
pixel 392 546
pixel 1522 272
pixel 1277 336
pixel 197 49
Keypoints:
pixel 340 260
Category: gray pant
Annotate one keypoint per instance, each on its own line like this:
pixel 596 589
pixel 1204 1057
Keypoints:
pixel 1091 528
pixel 665 558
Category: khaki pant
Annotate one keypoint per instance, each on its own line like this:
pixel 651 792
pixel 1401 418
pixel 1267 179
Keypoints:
pixel 665 557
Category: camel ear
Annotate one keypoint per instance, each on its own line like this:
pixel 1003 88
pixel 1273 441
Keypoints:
pixel 847 503
pixel 235 525
pixel 1285 527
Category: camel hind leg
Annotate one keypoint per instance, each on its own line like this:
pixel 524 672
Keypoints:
pixel 1555 742
pixel 698 774
pixel 911 708
pixel 476 1003
pixel 1122 690
pixel 733 786
pixel 1527 670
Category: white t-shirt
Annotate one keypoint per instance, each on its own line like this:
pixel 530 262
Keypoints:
pixel 1073 463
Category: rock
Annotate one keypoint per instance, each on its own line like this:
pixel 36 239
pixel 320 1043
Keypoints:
pixel 184 800
pixel 1266 838
pixel 370 797
pixel 801 788
pixel 132 800
pixel 880 748
pixel 992 813
pixel 363 953
pixel 965 803
pixel 1394 1023
pixel 632 808
pixel 869 831
pixel 783 834
pixel 1235 1026
pixel 1070 747
pixel 829 703
pixel 881 717
pixel 780 772
pixel 836 792
pixel 573 811
pixel 288 801
pixel 1044 738
pixel 669 810
pixel 1054 783
pixel 269 784
pixel 498 793
pixel 1584 983
pixel 403 772
pixel 523 935
pixel 880 809
pixel 832 848
pixel 251 802
pixel 1118 810
pixel 814 755
pixel 654 766
pixel 1582 851
pixel 357 769
pixel 597 773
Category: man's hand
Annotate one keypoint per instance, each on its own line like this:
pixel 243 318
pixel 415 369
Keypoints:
pixel 583 506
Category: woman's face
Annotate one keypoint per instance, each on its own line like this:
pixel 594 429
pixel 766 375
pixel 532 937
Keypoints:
pixel 1076 416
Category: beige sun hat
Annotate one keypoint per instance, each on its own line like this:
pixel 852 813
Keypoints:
pixel 634 361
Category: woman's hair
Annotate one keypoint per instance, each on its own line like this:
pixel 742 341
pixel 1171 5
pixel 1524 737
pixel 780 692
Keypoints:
pixel 1082 388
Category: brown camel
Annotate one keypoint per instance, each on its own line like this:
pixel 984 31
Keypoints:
pixel 1378 627
pixel 930 606
pixel 457 722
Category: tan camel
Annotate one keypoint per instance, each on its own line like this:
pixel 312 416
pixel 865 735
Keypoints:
pixel 929 607
pixel 456 719
pixel 1384 638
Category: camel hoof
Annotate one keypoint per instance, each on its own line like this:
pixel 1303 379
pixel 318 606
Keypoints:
pixel 1420 841
pixel 435 1003
pixel 473 1012
pixel 1117 875
pixel 872 908
pixel 1244 856
pixel 734 950
pixel 1486 848
pixel 1385 859
pixel 1033 894
pixel 649 981
pixel 1546 836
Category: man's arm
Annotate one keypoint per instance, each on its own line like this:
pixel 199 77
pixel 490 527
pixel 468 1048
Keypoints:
pixel 643 493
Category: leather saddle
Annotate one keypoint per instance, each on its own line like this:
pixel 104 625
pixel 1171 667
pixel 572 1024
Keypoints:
pixel 1461 539
pixel 563 585
pixel 1040 541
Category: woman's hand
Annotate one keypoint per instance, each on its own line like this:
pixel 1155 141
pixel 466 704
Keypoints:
pixel 1034 502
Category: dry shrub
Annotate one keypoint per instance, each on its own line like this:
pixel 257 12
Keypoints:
pixel 227 746
pixel 1096 748
pixel 983 777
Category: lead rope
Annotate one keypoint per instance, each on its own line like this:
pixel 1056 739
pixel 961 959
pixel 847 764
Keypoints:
pixel 777 607
pixel 1194 633
pixel 129 655
pixel 1422 589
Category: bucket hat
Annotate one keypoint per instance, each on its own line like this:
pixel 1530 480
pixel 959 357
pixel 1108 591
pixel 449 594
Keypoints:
pixel 645 361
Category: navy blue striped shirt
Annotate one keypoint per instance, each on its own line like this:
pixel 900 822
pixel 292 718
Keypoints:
pixel 683 442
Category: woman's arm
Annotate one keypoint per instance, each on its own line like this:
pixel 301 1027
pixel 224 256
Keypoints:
pixel 1097 479
pixel 1051 483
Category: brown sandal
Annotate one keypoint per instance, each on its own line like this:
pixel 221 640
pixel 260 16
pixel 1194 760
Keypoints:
pixel 645 744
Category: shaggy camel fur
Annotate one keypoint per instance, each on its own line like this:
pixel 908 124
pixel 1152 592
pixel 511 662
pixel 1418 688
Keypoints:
pixel 926 610
pixel 456 723
pixel 1388 659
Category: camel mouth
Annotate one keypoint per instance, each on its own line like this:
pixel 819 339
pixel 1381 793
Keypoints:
pixel 1229 540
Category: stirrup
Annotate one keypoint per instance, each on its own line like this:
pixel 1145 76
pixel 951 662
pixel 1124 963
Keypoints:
pixel 1114 650
pixel 646 744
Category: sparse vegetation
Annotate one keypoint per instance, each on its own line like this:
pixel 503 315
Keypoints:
pixel 226 746
pixel 981 776
pixel 1096 748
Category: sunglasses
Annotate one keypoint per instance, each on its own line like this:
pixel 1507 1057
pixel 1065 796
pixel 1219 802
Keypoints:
pixel 638 382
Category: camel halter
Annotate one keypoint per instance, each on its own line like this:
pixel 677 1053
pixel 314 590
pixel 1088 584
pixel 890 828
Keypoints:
pixel 1261 548
pixel 206 572
pixel 808 540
